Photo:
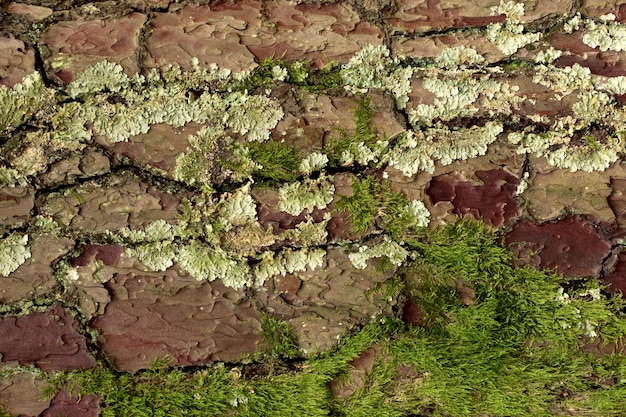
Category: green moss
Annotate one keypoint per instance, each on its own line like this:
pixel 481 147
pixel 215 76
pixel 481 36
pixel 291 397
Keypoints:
pixel 516 64
pixel 511 350
pixel 277 339
pixel 514 349
pixel 363 204
pixel 279 162
pixel 326 80
pixel 372 199
pixel 349 144
pixel 157 392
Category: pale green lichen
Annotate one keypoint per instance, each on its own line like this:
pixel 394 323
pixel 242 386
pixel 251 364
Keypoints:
pixel 458 57
pixel 592 106
pixel 156 256
pixel 453 145
pixel 460 94
pixel 287 261
pixel 510 37
pixel 254 116
pixel 417 151
pixel 586 158
pixel 419 214
pixel 614 85
pixel 412 154
pixel 69 125
pixel 315 161
pixel 362 154
pixel 308 232
pixel 207 263
pixel 20 103
pixel 388 248
pixel 103 76
pixel 201 77
pixel 556 147
pixel 159 230
pixel 155 247
pixel 196 166
pixel 373 67
pixel 238 208
pixel 11 177
pixel 563 80
pixel 548 56
pixel 537 144
pixel 163 97
pixel 296 197
pixel 14 251
pixel 279 73
pixel 606 35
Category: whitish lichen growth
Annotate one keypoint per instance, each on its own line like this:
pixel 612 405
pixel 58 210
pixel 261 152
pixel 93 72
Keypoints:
pixel 14 251
pixel 419 214
pixel 458 57
pixel 389 249
pixel 156 256
pixel 548 56
pixel 308 233
pixel 606 35
pixel 196 166
pixel 155 248
pixel 417 151
pixel 362 154
pixel 206 263
pixel 296 197
pixel 614 85
pixel 238 209
pixel 104 76
pixel 463 143
pixel 460 94
pixel 372 67
pixel 586 158
pixel 315 161
pixel 255 116
pixel 287 261
pixel 20 103
pixel 412 154
pixel 510 37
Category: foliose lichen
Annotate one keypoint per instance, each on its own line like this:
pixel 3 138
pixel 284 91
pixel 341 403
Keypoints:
pixel 509 37
pixel 388 248
pixel 296 197
pixel 14 251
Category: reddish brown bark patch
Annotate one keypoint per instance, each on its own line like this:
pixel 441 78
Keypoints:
pixel 64 405
pixel 319 33
pixel 494 201
pixel 617 278
pixel 76 45
pixel 573 246
pixel 412 314
pixel 16 204
pixel 108 254
pixel 48 339
pixel 151 317
pixel 617 201
pixel 606 63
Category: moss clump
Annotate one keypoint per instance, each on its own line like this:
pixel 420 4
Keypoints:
pixel 279 162
pixel 512 349
pixel 278 339
pixel 347 148
pixel 372 199
pixel 157 392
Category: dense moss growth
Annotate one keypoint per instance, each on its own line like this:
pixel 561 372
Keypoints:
pixel 513 347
